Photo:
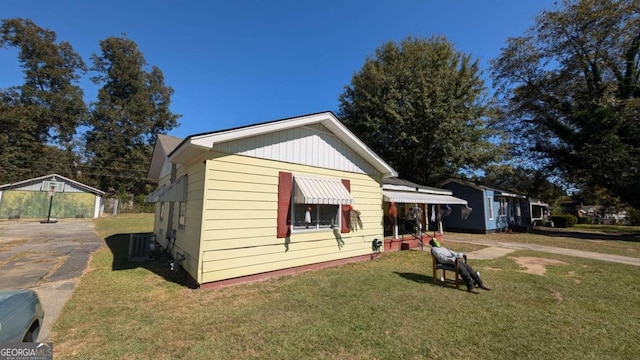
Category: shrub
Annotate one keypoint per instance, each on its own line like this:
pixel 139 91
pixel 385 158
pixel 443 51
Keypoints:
pixel 564 221
pixel 633 216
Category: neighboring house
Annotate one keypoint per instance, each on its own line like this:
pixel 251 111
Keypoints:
pixel 493 209
pixel 539 212
pixel 432 204
pixel 267 199
pixel 31 199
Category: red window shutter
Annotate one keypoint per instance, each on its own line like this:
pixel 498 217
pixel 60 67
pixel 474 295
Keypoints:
pixel 285 185
pixel 346 210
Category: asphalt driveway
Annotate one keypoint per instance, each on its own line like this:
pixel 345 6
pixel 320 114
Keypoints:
pixel 49 258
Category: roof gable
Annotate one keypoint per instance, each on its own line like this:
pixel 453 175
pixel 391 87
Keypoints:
pixel 160 164
pixel 319 140
pixel 27 182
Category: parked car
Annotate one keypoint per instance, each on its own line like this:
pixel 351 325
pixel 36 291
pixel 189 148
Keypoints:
pixel 21 316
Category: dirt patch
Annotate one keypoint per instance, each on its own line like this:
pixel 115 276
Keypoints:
pixel 571 274
pixel 535 265
pixel 558 296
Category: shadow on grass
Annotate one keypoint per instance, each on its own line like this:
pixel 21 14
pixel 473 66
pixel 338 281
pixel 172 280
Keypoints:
pixel 158 263
pixel 425 279
pixel 632 236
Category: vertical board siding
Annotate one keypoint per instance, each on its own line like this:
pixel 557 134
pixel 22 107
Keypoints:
pixel 240 218
pixel 309 145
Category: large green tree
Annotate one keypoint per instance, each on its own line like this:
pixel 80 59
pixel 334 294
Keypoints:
pixel 571 94
pixel 133 106
pixel 38 119
pixel 422 106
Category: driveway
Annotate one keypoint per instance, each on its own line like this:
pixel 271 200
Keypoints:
pixel 49 258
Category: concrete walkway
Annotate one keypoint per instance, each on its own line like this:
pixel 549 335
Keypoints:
pixel 496 249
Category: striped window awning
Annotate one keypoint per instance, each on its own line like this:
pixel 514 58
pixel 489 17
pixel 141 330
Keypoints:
pixel 312 190
pixel 414 197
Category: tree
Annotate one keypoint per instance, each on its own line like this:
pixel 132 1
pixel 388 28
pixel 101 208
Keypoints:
pixel 531 182
pixel 570 92
pixel 421 106
pixel 39 118
pixel 131 109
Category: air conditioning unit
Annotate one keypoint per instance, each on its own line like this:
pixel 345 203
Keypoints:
pixel 140 246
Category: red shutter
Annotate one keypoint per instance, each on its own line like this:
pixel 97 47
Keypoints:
pixel 346 210
pixel 285 185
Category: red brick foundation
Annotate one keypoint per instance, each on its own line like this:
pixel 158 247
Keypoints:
pixel 283 272
pixel 409 242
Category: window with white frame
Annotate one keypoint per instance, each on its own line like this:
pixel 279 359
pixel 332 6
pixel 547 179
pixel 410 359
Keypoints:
pixel 490 207
pixel 503 207
pixel 315 216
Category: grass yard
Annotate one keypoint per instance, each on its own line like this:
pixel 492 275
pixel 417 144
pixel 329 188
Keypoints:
pixel 381 309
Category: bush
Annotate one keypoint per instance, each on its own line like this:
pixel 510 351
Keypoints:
pixel 633 217
pixel 584 220
pixel 564 221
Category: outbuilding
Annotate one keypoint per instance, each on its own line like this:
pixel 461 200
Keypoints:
pixel 50 196
pixel 268 199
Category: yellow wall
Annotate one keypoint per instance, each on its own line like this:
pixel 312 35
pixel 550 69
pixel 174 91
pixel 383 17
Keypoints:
pixel 240 215
pixel 188 239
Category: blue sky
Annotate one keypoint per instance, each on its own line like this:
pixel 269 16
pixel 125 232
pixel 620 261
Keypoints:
pixel 234 63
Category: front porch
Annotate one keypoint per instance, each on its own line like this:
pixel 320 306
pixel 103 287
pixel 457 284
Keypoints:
pixel 408 241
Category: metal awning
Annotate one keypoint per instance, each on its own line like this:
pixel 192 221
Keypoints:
pixel 311 190
pixel 414 197
pixel 155 195
pixel 176 191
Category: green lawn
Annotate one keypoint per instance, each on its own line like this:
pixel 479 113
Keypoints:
pixel 613 229
pixel 381 309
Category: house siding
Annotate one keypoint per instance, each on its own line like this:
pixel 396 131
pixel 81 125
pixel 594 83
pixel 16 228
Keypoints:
pixel 240 219
pixel 312 145
pixel 187 242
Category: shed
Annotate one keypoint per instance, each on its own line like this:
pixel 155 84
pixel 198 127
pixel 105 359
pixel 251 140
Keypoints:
pixel 32 198
pixel 494 209
pixel 268 199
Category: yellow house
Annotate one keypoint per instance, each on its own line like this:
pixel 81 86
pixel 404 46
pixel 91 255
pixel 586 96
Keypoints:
pixel 268 199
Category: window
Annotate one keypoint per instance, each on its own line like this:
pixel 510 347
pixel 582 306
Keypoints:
pixel 490 207
pixel 161 211
pixel 312 203
pixel 182 215
pixel 315 216
pixel 503 207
